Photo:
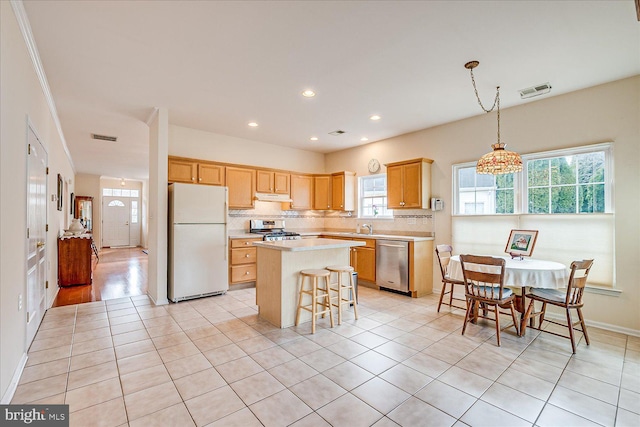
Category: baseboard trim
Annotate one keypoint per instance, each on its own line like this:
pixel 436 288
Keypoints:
pixel 600 325
pixel 11 390
pixel 164 301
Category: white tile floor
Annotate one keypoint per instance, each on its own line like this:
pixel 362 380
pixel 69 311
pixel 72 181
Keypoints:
pixel 213 362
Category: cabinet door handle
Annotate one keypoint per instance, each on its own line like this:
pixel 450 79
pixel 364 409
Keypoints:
pixel 247 273
pixel 199 179
pixel 246 243
pixel 247 256
pixel 193 178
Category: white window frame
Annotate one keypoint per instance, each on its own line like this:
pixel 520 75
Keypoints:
pixel 520 203
pixel 361 180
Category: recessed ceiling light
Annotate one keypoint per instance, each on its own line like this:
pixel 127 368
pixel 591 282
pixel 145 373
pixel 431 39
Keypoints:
pixel 308 93
pixel 364 138
pixel 253 124
pixel 313 138
pixel 375 117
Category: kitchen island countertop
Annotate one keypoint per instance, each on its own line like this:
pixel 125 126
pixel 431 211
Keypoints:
pixel 308 244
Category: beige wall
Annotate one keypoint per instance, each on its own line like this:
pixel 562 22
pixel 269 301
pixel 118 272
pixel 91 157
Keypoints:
pixel 22 97
pixel 197 144
pixel 609 112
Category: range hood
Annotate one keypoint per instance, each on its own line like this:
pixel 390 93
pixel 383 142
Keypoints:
pixel 269 197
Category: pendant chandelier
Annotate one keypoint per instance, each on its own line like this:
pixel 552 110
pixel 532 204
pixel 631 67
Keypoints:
pixel 498 161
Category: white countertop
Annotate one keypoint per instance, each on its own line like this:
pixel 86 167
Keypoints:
pixel 308 244
pixel 245 235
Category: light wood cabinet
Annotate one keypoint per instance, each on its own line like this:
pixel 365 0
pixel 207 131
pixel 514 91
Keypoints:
pixel 272 182
pixel 182 171
pixel 363 260
pixel 242 187
pixel 343 188
pixel 421 268
pixel 301 192
pixel 74 261
pixel 409 184
pixel 322 192
pixel 210 174
pixel 242 254
pixel 189 171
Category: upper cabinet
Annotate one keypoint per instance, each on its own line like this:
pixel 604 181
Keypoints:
pixel 210 174
pixel 409 184
pixel 302 192
pixel 322 192
pixel 185 170
pixel 182 171
pixel 242 187
pixel 272 182
pixel 343 191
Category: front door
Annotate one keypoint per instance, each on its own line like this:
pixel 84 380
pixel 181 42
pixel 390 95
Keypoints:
pixel 115 224
pixel 37 234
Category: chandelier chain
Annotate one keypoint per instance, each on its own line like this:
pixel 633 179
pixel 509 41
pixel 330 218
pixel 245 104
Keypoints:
pixel 496 101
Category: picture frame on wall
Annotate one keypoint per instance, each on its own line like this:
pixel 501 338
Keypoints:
pixel 521 242
pixel 60 190
pixel 72 206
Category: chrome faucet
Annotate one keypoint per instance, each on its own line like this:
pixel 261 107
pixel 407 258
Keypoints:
pixel 370 227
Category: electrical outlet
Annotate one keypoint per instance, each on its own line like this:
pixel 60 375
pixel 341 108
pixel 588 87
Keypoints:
pixel 411 221
pixel 19 302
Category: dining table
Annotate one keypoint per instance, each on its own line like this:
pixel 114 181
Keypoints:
pixel 521 274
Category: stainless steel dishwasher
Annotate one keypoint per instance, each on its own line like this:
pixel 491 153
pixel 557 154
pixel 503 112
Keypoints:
pixel 392 264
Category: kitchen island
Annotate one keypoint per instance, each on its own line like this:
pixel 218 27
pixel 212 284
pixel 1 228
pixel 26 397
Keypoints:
pixel 279 265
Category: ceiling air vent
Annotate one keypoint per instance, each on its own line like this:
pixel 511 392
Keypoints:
pixel 104 137
pixel 337 132
pixel 530 92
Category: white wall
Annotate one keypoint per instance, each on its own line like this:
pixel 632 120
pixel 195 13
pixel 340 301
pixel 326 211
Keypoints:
pixel 609 112
pixel 21 97
pixel 197 144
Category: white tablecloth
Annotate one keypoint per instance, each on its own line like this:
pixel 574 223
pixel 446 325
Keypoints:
pixel 520 273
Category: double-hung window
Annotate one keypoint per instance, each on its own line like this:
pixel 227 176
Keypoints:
pixel 576 180
pixel 373 197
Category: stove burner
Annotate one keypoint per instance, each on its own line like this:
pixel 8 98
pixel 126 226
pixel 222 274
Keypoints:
pixel 272 230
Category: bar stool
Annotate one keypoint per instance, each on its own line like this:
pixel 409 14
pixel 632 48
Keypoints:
pixel 319 296
pixel 342 287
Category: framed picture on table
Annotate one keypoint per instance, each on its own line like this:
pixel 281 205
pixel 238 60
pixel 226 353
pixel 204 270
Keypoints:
pixel 521 242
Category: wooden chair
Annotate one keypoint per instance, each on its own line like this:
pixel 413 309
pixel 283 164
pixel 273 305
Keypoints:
pixel 571 298
pixel 444 252
pixel 484 285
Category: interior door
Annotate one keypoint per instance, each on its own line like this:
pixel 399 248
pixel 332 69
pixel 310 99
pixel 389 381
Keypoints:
pixel 36 226
pixel 115 223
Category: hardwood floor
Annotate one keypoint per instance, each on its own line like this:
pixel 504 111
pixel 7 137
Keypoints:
pixel 120 272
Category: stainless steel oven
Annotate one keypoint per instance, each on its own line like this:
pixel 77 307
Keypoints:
pixel 271 230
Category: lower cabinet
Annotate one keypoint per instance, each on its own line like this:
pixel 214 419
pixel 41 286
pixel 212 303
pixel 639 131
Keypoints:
pixel 242 256
pixel 421 268
pixel 74 261
pixel 363 260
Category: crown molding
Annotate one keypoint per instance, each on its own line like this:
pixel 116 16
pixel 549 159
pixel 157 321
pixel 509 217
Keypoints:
pixel 25 29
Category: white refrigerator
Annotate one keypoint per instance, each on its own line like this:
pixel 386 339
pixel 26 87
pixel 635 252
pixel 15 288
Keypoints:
pixel 198 260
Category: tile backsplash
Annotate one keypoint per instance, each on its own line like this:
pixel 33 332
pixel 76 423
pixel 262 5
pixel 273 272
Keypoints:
pixel 405 221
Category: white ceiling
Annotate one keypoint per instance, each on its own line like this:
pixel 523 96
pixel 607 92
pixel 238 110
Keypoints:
pixel 217 65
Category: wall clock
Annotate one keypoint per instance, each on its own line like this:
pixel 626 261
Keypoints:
pixel 374 165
